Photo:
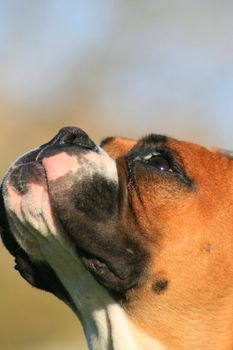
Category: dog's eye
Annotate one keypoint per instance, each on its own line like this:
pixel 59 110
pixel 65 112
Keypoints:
pixel 157 161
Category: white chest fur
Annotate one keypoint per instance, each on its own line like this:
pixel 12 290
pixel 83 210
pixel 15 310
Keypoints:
pixel 106 324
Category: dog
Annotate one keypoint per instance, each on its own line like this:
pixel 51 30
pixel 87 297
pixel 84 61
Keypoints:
pixel 136 237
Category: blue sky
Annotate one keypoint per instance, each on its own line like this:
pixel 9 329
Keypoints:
pixel 158 63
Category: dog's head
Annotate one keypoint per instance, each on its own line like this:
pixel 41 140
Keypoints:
pixel 150 220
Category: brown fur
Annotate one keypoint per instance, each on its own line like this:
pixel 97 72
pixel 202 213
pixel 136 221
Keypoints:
pixel 190 234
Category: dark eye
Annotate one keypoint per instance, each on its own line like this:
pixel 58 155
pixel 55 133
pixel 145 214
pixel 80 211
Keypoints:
pixel 158 162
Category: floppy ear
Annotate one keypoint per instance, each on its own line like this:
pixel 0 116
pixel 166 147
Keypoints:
pixel 38 274
pixel 117 146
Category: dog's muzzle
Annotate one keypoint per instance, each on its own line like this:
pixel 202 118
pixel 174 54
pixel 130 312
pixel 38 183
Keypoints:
pixel 71 185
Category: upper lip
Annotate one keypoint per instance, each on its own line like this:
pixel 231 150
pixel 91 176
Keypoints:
pixel 28 166
pixel 28 157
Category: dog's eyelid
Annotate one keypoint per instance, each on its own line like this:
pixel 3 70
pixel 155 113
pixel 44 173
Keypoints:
pixel 151 155
pixel 148 156
pixel 175 167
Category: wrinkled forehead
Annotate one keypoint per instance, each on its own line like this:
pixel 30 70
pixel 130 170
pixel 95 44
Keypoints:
pixel 204 164
pixel 197 160
pixel 119 146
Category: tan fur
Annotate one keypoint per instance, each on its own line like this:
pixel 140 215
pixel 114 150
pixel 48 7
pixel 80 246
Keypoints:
pixel 190 235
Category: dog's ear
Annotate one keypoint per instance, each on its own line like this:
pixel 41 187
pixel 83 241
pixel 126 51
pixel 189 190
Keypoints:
pixel 38 274
pixel 117 146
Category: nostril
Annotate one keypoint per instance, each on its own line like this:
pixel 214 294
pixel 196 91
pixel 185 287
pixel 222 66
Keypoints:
pixel 73 136
pixel 66 135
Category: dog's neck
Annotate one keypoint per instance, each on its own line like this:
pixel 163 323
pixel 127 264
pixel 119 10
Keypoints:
pixel 106 324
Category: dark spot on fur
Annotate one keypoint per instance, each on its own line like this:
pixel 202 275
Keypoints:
pixel 160 286
pixel 207 248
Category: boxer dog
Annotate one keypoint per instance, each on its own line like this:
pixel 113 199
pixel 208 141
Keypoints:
pixel 135 236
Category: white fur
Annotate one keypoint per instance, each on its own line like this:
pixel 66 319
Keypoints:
pixel 106 324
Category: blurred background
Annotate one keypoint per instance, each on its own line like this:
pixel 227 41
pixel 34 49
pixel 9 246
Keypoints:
pixel 112 67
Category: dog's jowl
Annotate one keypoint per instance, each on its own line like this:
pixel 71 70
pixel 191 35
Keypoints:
pixel 135 236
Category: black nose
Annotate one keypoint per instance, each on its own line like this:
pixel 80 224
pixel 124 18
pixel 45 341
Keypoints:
pixel 73 136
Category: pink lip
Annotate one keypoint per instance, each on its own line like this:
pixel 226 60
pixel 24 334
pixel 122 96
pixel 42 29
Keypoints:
pixel 59 165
